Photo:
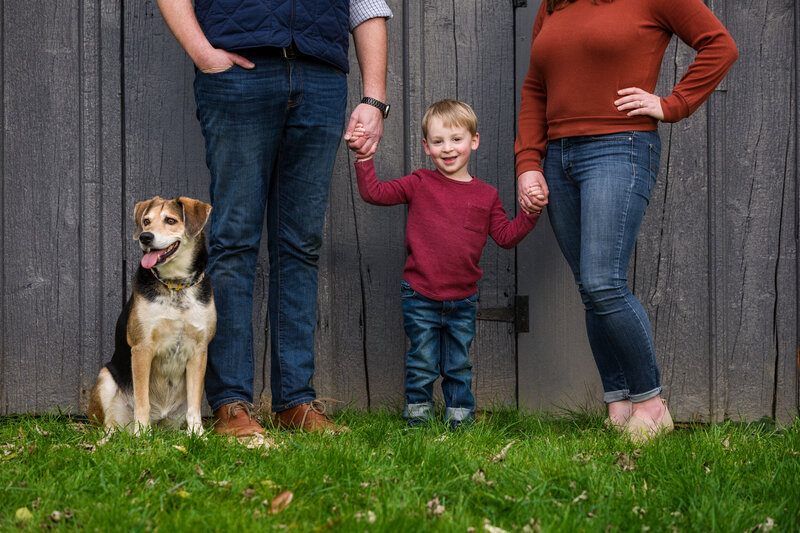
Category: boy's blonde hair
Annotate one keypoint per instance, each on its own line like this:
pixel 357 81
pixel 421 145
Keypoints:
pixel 451 113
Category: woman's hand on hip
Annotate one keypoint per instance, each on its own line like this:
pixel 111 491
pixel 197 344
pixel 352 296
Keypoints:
pixel 532 191
pixel 638 102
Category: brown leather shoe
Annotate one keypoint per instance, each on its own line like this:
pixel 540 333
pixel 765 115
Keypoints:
pixel 308 417
pixel 236 419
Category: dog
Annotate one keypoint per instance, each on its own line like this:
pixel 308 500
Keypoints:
pixel 159 363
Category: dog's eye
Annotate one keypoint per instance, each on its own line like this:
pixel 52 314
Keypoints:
pixel 170 221
pixel 146 222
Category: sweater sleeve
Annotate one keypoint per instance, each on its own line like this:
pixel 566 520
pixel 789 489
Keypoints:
pixel 697 26
pixel 509 233
pixel 531 140
pixel 398 191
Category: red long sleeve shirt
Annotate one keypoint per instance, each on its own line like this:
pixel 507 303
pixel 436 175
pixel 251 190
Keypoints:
pixel 584 52
pixel 448 222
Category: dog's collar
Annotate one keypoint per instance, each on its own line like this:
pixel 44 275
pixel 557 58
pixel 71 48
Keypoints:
pixel 175 286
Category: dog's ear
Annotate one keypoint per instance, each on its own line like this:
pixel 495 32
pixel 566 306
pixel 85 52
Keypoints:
pixel 138 213
pixel 195 215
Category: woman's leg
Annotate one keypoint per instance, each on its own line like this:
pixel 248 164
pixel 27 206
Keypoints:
pixel 616 175
pixel 564 212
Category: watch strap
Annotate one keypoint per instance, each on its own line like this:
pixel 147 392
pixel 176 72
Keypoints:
pixel 383 107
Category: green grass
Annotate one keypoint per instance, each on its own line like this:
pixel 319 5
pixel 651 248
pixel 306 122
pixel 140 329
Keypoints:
pixel 560 474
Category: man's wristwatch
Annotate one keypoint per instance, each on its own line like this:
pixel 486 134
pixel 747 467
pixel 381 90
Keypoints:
pixel 384 108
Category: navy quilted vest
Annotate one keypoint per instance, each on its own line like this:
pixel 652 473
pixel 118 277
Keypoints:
pixel 319 28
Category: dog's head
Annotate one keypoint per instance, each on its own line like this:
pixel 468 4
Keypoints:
pixel 163 227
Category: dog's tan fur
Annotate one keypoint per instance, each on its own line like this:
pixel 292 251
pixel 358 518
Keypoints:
pixel 168 331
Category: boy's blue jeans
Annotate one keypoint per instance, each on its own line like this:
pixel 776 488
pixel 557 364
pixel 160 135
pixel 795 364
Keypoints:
pixel 271 136
pixel 440 334
pixel 599 189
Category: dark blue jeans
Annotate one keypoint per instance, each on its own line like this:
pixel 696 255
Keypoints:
pixel 440 334
pixel 271 136
pixel 599 189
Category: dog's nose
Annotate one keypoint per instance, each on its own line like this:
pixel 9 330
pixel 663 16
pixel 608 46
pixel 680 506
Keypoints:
pixel 146 238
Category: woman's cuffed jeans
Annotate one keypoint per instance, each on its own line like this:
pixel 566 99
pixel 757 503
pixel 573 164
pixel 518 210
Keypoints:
pixel 271 136
pixel 599 189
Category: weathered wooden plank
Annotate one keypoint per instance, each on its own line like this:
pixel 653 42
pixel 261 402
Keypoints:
pixel 113 240
pixel 669 272
pixel 42 173
pixel 381 240
pixel 754 159
pixel 90 259
pixel 788 383
pixel 555 365
pixel 487 83
pixel 164 150
pixel 5 347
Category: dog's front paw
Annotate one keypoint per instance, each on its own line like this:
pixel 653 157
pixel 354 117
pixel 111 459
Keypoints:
pixel 195 429
pixel 140 429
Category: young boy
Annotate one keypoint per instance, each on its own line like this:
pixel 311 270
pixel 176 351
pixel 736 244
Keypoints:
pixel 450 213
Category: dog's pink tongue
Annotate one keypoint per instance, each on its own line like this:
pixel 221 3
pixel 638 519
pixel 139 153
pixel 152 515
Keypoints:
pixel 150 259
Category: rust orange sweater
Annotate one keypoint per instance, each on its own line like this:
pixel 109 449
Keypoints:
pixel 584 52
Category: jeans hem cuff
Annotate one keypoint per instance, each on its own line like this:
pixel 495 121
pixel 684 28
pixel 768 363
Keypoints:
pixel 418 410
pixel 459 414
pixel 288 405
pixel 637 398
pixel 616 396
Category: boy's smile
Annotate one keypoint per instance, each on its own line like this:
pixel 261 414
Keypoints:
pixel 450 147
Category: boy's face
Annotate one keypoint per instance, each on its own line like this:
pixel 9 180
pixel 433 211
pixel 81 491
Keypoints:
pixel 449 148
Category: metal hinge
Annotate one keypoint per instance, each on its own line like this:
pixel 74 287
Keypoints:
pixel 520 3
pixel 517 315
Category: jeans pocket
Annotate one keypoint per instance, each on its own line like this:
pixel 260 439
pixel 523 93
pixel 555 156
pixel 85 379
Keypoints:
pixel 476 218
pixel 217 73
pixel 654 152
pixel 473 300
pixel 406 291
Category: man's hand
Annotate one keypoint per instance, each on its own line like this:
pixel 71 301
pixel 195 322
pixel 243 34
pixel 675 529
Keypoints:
pixel 370 119
pixel 215 60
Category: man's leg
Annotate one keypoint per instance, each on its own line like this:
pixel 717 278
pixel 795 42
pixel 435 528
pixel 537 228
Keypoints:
pixel 241 114
pixel 298 198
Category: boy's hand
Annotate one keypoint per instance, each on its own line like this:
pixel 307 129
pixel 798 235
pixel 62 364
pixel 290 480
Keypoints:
pixel 358 131
pixel 532 191
pixel 371 120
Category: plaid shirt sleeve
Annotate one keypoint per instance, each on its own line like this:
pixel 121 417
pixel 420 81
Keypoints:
pixel 363 10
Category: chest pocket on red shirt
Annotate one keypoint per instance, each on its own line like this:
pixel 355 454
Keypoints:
pixel 476 218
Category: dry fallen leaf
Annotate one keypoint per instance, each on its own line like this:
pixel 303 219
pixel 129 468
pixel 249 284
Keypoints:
pixel 581 458
pixel 532 527
pixel 180 449
pixel 479 476
pixel 500 457
pixel 23 514
pixel 369 516
pixel 434 507
pixel 256 440
pixel 56 516
pixel 281 501
pixel 580 497
pixel 199 471
pixel 625 462
pixel 767 525
pixel 492 529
